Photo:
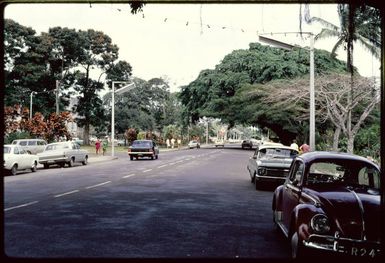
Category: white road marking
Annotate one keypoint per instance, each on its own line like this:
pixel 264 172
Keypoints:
pixel 129 175
pixel 67 193
pixel 145 171
pixel 162 166
pixel 96 185
pixel 19 206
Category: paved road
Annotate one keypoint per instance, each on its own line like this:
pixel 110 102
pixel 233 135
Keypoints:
pixel 187 204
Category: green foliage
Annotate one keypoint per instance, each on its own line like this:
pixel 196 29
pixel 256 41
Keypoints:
pixel 225 91
pixel 15 136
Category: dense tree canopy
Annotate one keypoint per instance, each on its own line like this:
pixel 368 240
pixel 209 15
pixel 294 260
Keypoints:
pixel 222 92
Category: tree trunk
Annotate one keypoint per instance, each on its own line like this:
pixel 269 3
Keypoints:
pixel 350 142
pixel 336 138
pixel 86 133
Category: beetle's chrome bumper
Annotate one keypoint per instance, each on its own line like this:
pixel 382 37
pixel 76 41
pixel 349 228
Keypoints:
pixel 348 246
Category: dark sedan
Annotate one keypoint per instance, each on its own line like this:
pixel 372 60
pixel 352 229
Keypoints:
pixel 247 144
pixel 330 202
pixel 143 148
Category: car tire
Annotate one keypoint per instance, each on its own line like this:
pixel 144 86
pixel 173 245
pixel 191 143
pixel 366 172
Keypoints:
pixel 85 162
pixel 14 169
pixel 257 184
pixel 152 157
pixel 34 167
pixel 71 162
pixel 46 166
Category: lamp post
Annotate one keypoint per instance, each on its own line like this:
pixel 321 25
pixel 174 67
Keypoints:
pixel 30 105
pixel 283 45
pixel 119 91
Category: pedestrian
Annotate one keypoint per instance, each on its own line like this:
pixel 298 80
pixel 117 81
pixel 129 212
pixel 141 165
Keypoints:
pixel 105 145
pixel 172 143
pixel 168 143
pixel 97 146
pixel 304 148
pixel 179 143
pixel 294 145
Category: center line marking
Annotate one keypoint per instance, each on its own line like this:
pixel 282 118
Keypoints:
pixel 68 193
pixel 162 166
pixel 96 185
pixel 129 175
pixel 23 205
pixel 145 171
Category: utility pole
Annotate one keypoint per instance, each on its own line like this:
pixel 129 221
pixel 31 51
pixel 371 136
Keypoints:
pixel 57 97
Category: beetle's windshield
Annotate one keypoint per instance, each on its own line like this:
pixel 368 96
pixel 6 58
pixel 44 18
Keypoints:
pixel 344 172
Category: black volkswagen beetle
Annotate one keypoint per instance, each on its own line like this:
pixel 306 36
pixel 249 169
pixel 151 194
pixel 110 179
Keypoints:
pixel 330 202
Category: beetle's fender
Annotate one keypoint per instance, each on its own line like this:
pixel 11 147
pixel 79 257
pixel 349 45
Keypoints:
pixel 301 217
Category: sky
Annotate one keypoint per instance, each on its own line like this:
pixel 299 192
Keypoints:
pixel 177 41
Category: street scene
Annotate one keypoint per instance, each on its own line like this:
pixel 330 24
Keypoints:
pixel 179 206
pixel 193 131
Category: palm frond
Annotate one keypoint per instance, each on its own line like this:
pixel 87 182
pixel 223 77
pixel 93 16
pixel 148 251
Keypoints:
pixel 324 23
pixel 337 46
pixel 326 33
pixel 369 46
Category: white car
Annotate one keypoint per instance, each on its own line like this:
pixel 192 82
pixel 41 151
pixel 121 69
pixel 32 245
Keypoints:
pixel 219 143
pixel 62 153
pixel 16 158
pixel 194 144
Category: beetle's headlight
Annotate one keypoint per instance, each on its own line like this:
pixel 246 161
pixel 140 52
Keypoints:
pixel 320 224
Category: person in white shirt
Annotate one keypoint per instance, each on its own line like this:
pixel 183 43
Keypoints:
pixel 294 145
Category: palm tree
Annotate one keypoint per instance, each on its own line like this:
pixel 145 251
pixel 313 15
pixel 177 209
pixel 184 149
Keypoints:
pixel 358 23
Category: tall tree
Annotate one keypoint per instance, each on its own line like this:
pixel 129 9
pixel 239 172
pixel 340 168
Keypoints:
pixel 358 23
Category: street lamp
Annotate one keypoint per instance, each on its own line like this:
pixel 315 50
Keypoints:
pixel 283 45
pixel 119 91
pixel 30 105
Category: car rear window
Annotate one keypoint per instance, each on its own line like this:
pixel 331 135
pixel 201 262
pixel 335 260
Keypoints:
pixel 142 144
pixel 7 149
pixel 56 147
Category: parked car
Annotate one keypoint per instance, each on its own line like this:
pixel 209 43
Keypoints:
pixel 61 153
pixel 78 141
pixel 32 146
pixel 194 144
pixel 16 159
pixel 219 143
pixel 270 163
pixel 143 148
pixel 247 144
pixel 330 202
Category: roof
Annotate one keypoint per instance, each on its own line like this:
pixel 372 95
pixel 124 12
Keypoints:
pixel 311 156
pixel 275 146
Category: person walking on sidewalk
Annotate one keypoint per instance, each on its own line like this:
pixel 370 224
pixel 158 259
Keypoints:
pixel 97 146
pixel 105 145
pixel 168 143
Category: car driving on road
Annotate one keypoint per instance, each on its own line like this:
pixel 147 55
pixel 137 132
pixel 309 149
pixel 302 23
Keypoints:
pixel 16 159
pixel 62 153
pixel 143 148
pixel 194 144
pixel 330 202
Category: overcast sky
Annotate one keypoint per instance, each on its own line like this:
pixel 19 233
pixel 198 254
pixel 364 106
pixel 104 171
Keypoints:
pixel 178 41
